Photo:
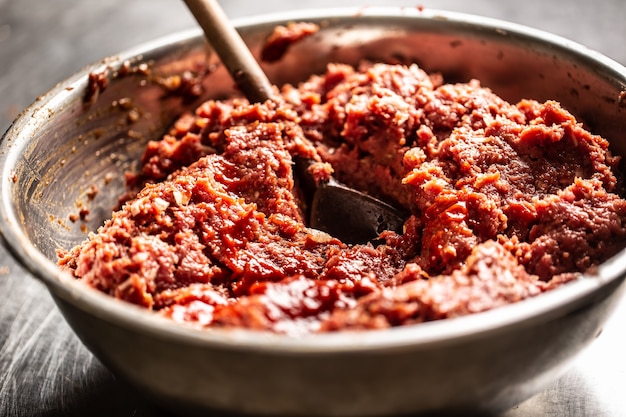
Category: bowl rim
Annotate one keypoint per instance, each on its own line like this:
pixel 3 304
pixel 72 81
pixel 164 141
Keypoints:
pixel 61 285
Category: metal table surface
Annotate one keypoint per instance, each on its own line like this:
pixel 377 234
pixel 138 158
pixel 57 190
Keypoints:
pixel 46 371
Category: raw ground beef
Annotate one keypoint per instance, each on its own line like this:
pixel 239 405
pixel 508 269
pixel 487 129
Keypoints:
pixel 506 201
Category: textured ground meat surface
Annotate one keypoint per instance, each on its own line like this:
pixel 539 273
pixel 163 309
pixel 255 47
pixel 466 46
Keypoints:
pixel 281 39
pixel 506 201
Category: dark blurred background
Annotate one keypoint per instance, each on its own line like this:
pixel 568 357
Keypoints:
pixel 44 369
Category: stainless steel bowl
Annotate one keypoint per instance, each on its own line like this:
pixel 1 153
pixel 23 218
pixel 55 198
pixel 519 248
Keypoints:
pixel 75 137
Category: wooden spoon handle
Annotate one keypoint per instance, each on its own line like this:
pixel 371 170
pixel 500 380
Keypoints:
pixel 232 50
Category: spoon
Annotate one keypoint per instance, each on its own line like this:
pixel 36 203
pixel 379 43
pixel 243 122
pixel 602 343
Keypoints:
pixel 345 213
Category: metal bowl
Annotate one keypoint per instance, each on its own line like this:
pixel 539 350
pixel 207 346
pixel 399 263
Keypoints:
pixel 84 134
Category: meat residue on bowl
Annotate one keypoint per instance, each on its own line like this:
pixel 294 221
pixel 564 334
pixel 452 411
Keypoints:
pixel 506 201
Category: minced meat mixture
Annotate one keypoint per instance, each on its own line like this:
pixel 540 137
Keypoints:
pixel 505 202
